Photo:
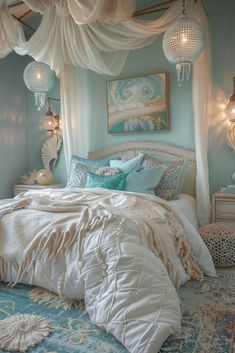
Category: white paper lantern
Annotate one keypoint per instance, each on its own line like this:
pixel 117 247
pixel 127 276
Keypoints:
pixel 40 79
pixel 183 43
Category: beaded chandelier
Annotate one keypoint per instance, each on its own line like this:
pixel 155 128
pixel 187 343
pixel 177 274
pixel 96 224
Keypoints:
pixel 183 43
pixel 40 79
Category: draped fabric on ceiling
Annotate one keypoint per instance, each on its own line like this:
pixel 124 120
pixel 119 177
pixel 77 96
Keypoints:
pixel 76 35
pixel 10 31
pixel 99 46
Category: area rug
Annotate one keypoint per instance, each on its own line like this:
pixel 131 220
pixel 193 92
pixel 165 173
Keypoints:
pixel 208 319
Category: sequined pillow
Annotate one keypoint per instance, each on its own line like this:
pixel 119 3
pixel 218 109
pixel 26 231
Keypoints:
pixel 171 183
pixel 78 174
pixel 112 182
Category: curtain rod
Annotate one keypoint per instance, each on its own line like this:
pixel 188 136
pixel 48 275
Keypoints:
pixel 24 23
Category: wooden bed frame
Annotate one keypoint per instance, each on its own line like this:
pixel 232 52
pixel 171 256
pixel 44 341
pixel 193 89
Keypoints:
pixel 128 150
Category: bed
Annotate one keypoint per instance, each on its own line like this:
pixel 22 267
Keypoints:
pixel 124 251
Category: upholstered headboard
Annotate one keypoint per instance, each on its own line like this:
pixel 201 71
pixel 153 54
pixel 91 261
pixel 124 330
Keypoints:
pixel 128 150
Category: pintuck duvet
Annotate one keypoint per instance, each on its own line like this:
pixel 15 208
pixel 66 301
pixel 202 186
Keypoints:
pixel 124 253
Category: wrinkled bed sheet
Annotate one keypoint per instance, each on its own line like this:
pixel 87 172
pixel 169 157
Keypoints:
pixel 124 253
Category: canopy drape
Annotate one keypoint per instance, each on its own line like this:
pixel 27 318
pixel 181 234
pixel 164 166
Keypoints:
pixel 10 30
pixel 97 35
pixel 202 93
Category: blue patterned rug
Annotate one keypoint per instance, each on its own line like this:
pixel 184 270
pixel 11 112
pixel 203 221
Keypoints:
pixel 208 321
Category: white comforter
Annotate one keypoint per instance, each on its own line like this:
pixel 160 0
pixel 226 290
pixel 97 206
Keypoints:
pixel 124 253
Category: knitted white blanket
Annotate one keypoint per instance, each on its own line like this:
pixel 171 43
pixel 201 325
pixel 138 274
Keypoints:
pixel 113 246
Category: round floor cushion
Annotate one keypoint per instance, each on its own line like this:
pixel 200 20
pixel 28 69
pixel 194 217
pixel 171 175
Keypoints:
pixel 220 240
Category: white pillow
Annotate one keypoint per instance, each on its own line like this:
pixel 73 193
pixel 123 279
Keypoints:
pixel 128 166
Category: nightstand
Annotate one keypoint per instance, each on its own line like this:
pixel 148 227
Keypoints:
pixel 18 188
pixel 223 208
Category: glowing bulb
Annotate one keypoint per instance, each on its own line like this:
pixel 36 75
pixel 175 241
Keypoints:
pixel 184 39
pixel 39 76
pixel 49 123
pixel 233 110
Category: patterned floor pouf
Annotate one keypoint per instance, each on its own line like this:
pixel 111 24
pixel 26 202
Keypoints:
pixel 220 240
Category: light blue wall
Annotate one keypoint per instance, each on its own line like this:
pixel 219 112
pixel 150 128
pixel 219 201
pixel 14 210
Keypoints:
pixel 13 123
pixel 146 61
pixel 149 60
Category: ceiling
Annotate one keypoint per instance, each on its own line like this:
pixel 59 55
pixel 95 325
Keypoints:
pixel 22 12
pixel 19 8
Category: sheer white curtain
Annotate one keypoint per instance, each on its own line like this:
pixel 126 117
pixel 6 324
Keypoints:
pixel 202 91
pixel 10 30
pixel 98 46
pixel 75 110
pixel 110 11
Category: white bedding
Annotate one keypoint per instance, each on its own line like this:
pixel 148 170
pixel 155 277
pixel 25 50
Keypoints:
pixel 125 264
pixel 187 205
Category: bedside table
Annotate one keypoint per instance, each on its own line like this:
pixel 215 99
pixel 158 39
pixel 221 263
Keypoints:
pixel 18 188
pixel 223 208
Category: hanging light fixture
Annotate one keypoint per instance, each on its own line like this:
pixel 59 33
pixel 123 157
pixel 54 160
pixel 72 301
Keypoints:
pixel 51 122
pixel 183 43
pixel 230 137
pixel 40 79
pixel 231 103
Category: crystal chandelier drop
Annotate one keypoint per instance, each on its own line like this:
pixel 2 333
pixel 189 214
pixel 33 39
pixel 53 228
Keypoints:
pixel 183 43
pixel 40 79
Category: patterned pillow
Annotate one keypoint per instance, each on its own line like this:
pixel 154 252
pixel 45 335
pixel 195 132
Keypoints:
pixel 78 174
pixel 113 182
pixel 171 183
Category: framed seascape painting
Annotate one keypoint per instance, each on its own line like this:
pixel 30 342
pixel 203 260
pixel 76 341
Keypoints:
pixel 138 104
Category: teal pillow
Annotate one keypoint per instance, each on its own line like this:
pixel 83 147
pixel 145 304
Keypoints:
pixel 144 180
pixel 113 182
pixel 78 174
pixel 128 166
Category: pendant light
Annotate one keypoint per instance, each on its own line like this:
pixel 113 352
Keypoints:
pixel 183 43
pixel 40 79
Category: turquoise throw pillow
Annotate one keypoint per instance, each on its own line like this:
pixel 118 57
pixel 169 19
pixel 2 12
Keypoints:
pixel 144 180
pixel 128 166
pixel 78 174
pixel 113 182
pixel 80 166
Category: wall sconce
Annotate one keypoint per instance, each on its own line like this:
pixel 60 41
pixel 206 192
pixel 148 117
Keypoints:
pixel 231 104
pixel 51 121
pixel 230 136
pixel 52 144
